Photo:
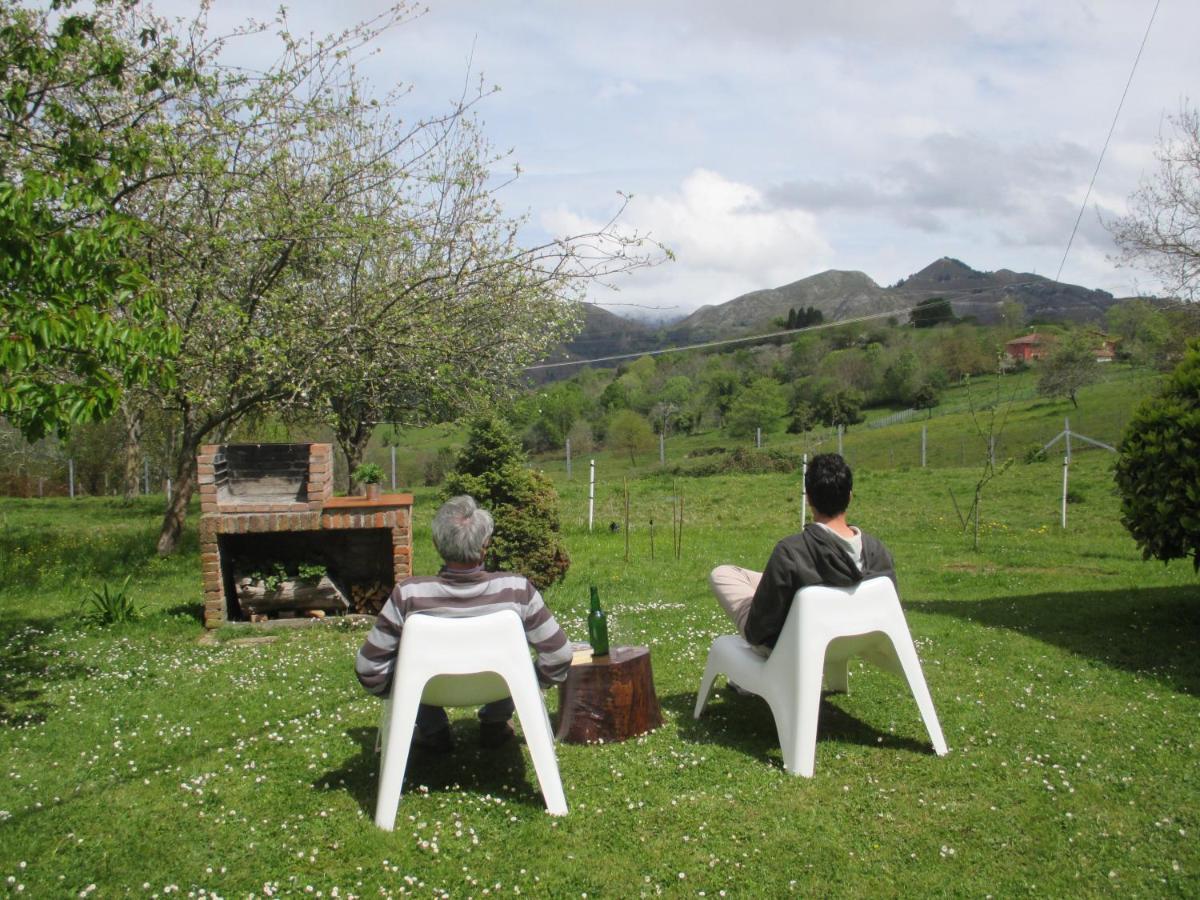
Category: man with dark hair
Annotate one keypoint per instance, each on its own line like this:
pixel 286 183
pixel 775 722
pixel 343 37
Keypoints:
pixel 461 532
pixel 828 551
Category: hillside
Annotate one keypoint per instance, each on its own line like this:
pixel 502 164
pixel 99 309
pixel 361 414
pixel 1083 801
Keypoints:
pixel 838 295
pixel 979 294
pixel 843 295
pixel 602 334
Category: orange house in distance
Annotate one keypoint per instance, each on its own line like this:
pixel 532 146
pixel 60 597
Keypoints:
pixel 1029 347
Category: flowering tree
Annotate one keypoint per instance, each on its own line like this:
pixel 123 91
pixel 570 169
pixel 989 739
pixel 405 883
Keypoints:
pixel 1162 229
pixel 321 257
pixel 437 306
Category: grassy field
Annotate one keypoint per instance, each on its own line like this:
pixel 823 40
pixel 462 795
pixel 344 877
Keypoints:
pixel 144 760
pixel 1024 420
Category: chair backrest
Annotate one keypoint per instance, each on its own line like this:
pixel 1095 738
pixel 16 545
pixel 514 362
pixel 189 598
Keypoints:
pixel 463 657
pixel 820 610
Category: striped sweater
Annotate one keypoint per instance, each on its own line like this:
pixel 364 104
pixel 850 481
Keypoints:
pixel 462 592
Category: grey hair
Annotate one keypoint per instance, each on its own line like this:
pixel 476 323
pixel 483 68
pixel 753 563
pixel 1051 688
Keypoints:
pixel 460 529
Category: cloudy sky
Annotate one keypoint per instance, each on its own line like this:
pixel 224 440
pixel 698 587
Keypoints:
pixel 768 140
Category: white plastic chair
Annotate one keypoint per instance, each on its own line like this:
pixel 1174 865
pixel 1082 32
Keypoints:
pixel 824 628
pixel 467 661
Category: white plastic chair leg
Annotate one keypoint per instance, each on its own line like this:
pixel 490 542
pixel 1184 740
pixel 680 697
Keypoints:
pixel 837 675
pixel 535 722
pixel 799 742
pixel 711 670
pixel 907 655
pixel 396 743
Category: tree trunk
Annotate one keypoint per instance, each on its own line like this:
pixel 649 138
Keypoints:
pixel 184 485
pixel 133 448
pixel 352 440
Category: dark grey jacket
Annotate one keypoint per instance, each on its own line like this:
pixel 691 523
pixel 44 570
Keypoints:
pixel 813 556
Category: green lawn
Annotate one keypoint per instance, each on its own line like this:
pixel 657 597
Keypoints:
pixel 141 759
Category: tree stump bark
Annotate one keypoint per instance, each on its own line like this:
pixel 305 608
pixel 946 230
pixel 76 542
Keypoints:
pixel 610 698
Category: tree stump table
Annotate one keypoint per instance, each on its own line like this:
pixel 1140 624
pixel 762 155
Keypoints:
pixel 608 698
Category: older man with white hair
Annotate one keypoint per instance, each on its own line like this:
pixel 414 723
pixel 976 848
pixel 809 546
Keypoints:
pixel 461 532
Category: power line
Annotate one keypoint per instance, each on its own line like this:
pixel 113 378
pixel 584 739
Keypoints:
pixel 1111 129
pixel 721 343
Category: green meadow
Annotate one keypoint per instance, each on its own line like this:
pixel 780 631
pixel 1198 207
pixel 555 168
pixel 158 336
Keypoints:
pixel 150 759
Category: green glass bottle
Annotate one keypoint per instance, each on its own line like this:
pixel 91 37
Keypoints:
pixel 597 626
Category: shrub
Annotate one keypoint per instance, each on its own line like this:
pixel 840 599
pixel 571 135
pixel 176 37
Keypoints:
pixel 1158 472
pixel 491 468
pixel 841 407
pixel 111 607
pixel 629 431
pixel 744 461
pixel 803 419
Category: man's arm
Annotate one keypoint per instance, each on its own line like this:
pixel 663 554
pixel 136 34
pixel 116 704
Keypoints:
pixel 772 598
pixel 548 639
pixel 377 659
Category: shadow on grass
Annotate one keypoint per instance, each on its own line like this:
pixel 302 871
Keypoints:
pixel 745 723
pixel 1151 631
pixel 500 772
pixel 25 670
pixel 187 610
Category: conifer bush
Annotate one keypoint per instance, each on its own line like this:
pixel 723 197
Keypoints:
pixel 492 469
pixel 1158 472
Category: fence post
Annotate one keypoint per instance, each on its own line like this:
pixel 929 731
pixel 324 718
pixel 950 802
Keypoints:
pixel 803 495
pixel 591 494
pixel 393 468
pixel 1066 466
pixel 758 438
pixel 71 477
pixel 662 448
pixel 145 475
pixel 923 430
pixel 568 459
pixel 841 428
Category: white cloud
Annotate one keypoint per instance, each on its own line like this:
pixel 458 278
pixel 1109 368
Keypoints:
pixel 725 240
pixel 767 141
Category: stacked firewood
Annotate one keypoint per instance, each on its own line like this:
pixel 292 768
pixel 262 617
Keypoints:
pixel 368 599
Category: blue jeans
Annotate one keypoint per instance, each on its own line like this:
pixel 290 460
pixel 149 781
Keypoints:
pixel 432 719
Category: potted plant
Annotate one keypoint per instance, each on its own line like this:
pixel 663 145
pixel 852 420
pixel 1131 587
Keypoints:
pixel 369 475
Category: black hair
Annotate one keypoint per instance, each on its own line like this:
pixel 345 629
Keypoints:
pixel 828 483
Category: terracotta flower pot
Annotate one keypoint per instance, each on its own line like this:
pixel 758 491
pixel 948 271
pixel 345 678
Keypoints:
pixel 372 491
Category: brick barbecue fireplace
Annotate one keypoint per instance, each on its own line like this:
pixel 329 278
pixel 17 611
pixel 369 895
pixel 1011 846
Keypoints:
pixel 270 508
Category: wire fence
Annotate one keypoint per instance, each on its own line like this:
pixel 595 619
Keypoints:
pixel 904 439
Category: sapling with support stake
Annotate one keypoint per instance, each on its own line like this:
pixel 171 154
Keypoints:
pixel 803 492
pixel 677 519
pixel 625 485
pixel 591 493
pixel 988 429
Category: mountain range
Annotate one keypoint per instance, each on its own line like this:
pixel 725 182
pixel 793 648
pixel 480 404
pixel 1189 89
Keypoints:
pixel 841 295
